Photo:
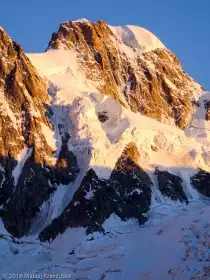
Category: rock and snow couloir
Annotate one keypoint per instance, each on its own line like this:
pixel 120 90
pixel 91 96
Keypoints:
pixel 104 124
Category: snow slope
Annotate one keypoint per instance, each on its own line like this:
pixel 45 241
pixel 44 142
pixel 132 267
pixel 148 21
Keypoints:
pixel 137 37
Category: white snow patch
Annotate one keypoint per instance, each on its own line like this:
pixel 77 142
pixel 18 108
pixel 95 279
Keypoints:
pixel 49 135
pixel 90 194
pixel 76 203
pixel 21 159
pixel 33 110
pixel 137 191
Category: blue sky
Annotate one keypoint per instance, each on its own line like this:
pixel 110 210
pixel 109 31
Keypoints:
pixel 182 25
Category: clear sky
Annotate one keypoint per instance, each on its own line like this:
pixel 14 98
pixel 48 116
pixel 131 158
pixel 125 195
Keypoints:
pixel 182 25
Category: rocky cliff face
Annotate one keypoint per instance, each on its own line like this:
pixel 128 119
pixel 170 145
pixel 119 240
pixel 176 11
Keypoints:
pixel 23 94
pixel 141 73
pixel 29 171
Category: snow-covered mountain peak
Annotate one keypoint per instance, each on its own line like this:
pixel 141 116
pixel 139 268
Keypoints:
pixel 90 141
pixel 130 64
pixel 137 37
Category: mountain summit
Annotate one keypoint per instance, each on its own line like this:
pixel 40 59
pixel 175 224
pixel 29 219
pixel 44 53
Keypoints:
pixel 131 65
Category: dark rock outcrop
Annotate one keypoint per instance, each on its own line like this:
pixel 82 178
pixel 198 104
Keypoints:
pixel 35 185
pixel 207 107
pixel 33 189
pixel 102 116
pixel 127 193
pixel 170 185
pixel 201 182
pixel 66 168
pixel 6 179
pixel 132 184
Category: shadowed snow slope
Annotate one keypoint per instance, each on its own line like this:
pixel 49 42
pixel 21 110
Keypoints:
pixel 176 248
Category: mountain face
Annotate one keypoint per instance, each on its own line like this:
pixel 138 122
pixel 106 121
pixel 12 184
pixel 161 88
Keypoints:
pixel 131 65
pixel 104 152
pixel 91 129
pixel 29 171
